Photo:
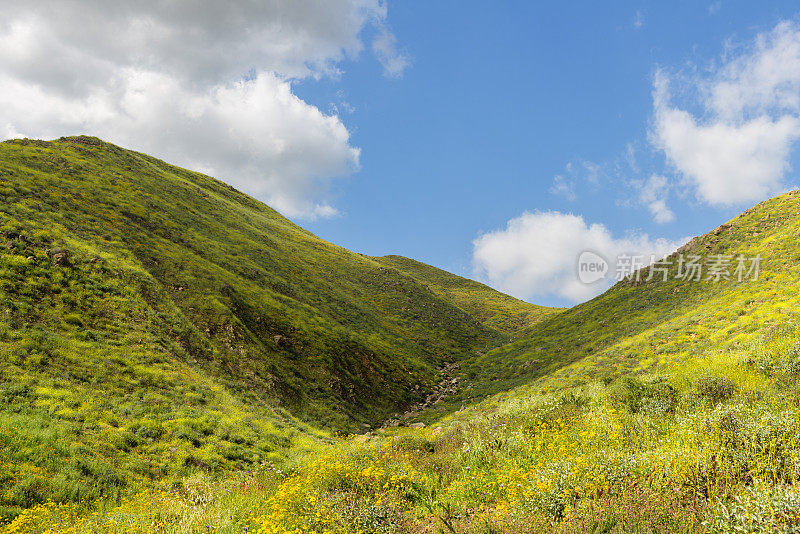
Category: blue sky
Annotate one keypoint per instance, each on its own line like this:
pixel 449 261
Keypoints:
pixel 498 101
pixel 495 140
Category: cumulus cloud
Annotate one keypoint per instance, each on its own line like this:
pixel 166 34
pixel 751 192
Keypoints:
pixel 765 78
pixel 738 149
pixel 536 254
pixel 206 85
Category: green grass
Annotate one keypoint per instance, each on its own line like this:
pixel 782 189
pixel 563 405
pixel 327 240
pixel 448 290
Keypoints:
pixel 155 321
pixel 711 447
pixel 492 308
pixel 653 324
pixel 160 330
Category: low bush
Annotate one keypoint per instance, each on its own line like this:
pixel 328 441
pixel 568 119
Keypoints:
pixel 654 397
pixel 714 388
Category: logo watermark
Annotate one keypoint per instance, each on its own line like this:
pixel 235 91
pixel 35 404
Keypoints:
pixel 593 267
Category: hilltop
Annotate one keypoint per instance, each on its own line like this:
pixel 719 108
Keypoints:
pixel 156 321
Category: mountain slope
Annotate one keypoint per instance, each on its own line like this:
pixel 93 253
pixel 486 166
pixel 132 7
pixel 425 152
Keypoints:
pixel 155 320
pixel 669 406
pixel 492 308
pixel 659 406
pixel 639 325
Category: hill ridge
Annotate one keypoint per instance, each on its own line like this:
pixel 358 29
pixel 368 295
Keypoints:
pixel 149 309
pixel 585 339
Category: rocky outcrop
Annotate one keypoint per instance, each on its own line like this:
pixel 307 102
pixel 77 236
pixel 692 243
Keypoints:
pixel 447 386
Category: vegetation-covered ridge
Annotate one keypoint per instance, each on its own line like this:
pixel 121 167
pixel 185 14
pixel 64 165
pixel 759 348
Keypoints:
pixel 711 447
pixel 155 321
pixel 657 407
pixel 491 307
pixel 645 323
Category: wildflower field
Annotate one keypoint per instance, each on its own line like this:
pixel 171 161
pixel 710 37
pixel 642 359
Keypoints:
pixel 711 447
pixel 249 377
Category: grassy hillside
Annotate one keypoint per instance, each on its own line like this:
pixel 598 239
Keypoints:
pixel 155 321
pixel 137 347
pixel 492 308
pixel 644 325
pixel 711 447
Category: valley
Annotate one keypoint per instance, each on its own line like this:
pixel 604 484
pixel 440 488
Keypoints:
pixel 176 356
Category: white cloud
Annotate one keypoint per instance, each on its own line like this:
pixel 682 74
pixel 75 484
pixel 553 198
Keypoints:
pixel 206 85
pixel 660 211
pixel 394 61
pixel 630 157
pixel 593 171
pixel 739 149
pixel 764 78
pixel 578 173
pixel 563 187
pixel 50 41
pixel 653 194
pixel 537 253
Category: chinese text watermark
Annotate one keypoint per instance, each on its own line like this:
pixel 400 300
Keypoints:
pixel 686 267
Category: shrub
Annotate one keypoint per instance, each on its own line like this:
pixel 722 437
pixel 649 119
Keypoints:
pixel 627 393
pixel 74 319
pixel 14 392
pixel 147 428
pixel 416 442
pixel 606 377
pixel 660 398
pixel 714 388
pixel 573 399
pixel 790 360
pixel 634 395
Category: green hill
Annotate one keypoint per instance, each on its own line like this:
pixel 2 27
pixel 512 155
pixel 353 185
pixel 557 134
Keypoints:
pixel 155 320
pixel 660 406
pixel 492 308
pixel 650 324
pixel 158 330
